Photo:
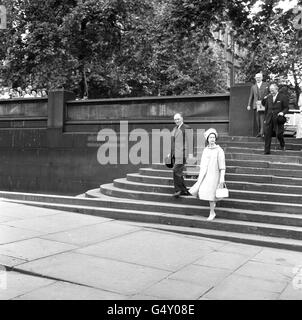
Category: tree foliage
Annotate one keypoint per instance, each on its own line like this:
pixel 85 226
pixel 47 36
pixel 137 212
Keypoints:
pixel 116 48
pixel 272 46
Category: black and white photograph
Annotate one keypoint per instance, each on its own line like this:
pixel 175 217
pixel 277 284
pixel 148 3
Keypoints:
pixel 150 153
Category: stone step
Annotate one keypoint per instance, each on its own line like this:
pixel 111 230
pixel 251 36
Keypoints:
pixel 258 145
pixel 286 157
pixel 263 164
pixel 237 185
pixel 280 207
pixel 264 179
pixel 266 171
pixel 287 153
pixel 96 199
pixel 240 163
pixel 253 171
pixel 258 149
pixel 203 210
pixel 272 242
pixel 181 220
pixel 226 138
pixel 220 227
pixel 264 157
pixel 238 174
pixel 258 171
pixel 234 194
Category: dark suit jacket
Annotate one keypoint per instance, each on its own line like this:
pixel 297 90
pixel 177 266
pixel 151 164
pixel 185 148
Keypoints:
pixel 258 94
pixel 273 108
pixel 181 143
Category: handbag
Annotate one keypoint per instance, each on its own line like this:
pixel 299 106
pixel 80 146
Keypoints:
pixel 169 161
pixel 222 191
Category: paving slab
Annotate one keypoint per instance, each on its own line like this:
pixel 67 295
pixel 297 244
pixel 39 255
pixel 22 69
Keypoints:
pixel 19 284
pixel 237 287
pixel 69 291
pixel 153 249
pixel 11 234
pixel 278 256
pixel 243 249
pixel 214 244
pixel 292 291
pixel 91 234
pixel 36 248
pixel 143 297
pixel 201 275
pixel 21 211
pixel 206 242
pixel 176 290
pixel 119 277
pixel 83 218
pixel 7 218
pixel 55 223
pixel 224 260
pixel 109 259
pixel 265 271
pixel 10 261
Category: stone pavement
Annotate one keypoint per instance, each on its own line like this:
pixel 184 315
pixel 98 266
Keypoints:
pixel 50 254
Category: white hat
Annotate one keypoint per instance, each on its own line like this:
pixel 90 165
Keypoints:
pixel 209 131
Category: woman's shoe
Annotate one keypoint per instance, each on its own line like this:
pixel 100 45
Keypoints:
pixel 211 216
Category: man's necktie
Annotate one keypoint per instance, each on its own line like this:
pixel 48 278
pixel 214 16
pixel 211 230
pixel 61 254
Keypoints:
pixel 258 93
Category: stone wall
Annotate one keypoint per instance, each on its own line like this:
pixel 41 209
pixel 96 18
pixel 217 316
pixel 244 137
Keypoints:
pixel 50 146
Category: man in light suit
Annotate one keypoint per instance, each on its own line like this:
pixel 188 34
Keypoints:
pixel 181 145
pixel 258 91
pixel 276 106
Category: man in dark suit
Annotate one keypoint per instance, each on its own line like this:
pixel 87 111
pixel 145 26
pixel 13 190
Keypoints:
pixel 258 91
pixel 181 145
pixel 276 106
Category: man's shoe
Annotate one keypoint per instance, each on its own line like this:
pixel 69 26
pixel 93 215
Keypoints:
pixel 186 193
pixel 258 135
pixel 281 148
pixel 176 194
pixel 267 153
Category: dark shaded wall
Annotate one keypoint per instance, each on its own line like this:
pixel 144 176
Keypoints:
pixel 50 145
pixel 242 122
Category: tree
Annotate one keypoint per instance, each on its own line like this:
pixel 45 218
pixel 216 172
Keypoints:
pixel 112 48
pixel 272 46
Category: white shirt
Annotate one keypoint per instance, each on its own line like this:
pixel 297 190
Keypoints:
pixel 274 97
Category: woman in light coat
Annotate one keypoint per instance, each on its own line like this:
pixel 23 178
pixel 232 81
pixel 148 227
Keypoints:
pixel 212 172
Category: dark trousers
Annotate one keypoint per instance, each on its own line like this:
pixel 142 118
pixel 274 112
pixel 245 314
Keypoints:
pixel 259 118
pixel 269 128
pixel 178 179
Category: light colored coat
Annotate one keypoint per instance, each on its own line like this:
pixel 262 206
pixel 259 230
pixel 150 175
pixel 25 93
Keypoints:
pixel 256 94
pixel 212 162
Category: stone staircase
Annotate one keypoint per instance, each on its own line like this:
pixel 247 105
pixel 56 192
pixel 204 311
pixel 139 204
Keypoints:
pixel 264 207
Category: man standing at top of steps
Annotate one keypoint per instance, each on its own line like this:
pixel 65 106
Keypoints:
pixel 276 106
pixel 258 91
pixel 181 137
